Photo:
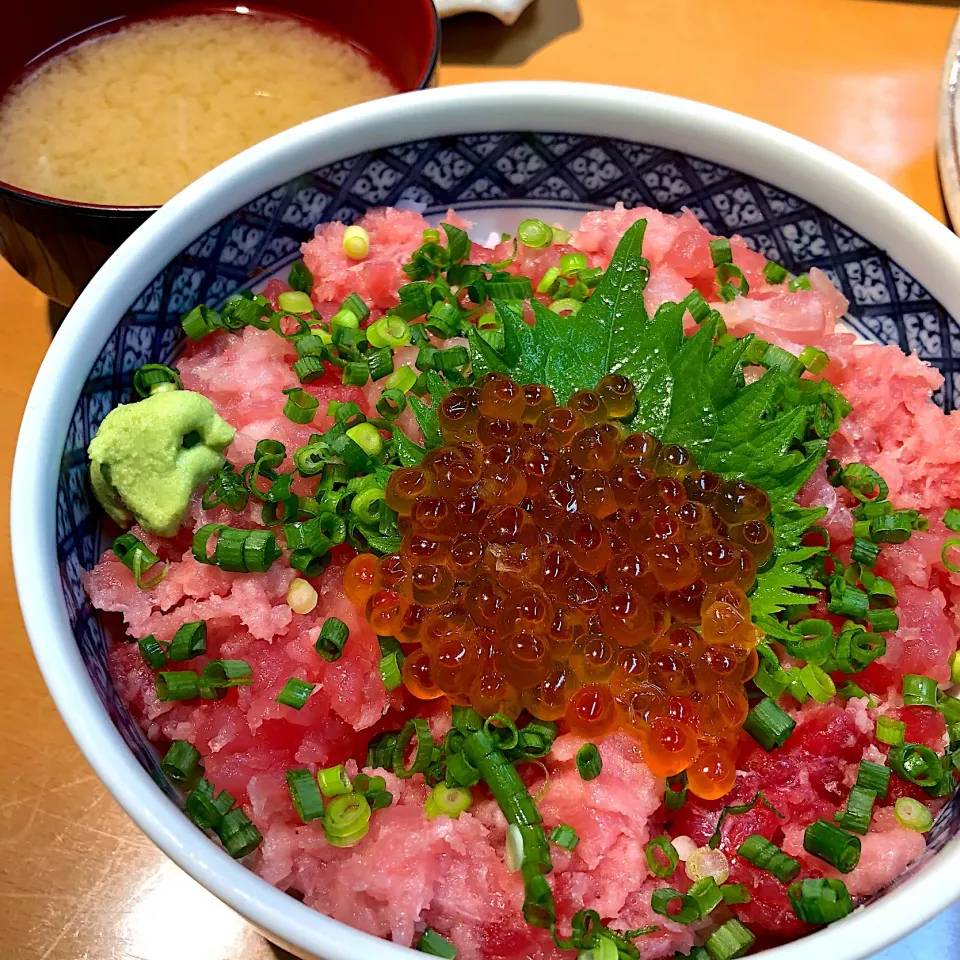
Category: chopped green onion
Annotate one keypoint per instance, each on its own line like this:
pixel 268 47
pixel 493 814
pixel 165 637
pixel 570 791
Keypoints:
pixel 662 856
pixel 535 233
pixel 951 520
pixel 883 621
pixel 730 940
pixel 451 359
pixel 550 277
pixel 180 761
pixel 912 814
pixel 950 708
pixel 155 378
pixel 864 552
pixel 882 593
pixel 890 730
pixel 707 894
pixel 295 693
pixel 864 483
pixel 687 911
pixel 832 845
pixel 736 809
pixel 354 304
pixel 820 900
pixel 800 282
pixel 224 674
pixel 675 792
pixel 814 359
pixel 916 763
pixel 389 669
pixel 300 406
pixel 727 289
pixel 177 685
pixel 308 369
pixel 873 776
pixel 571 263
pixel 773 273
pixel 152 653
pixel 734 893
pixel 431 942
pixel 698 307
pixel 849 602
pixel 312 345
pixel 391 403
pixel 859 810
pixel 810 640
pixel 919 691
pixel 139 559
pixel 388 332
pixel 367 437
pixel 300 278
pixel 564 836
pixel 768 724
pixel 188 642
pixel 817 682
pixel 333 781
pixel 720 251
pixel 891 528
pixel 346 820
pixel 769 857
pixel 205 810
pixel 305 795
pixel 200 321
pixel 851 690
pixel 332 639
pixel 355 374
pixel 237 834
pixel 379 363
pixel 944 559
pixel 418 729
pixel 446 801
pixel 776 358
pixel 356 242
pixel 402 379
pixel 589 762
pixel 565 305
pixel 503 730
pixel 294 301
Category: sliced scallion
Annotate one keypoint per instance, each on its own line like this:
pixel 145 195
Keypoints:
pixel 305 795
pixel 295 693
pixel 180 761
pixel 589 762
pixel 912 814
pixel 823 900
pixel 832 845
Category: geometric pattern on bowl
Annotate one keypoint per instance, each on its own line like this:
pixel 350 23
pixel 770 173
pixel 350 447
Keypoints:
pixel 492 174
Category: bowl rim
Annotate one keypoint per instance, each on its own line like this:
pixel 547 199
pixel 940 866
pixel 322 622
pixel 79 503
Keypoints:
pixel 10 191
pixel 922 245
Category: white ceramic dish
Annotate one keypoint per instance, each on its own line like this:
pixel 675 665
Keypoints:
pixel 864 204
pixel 506 11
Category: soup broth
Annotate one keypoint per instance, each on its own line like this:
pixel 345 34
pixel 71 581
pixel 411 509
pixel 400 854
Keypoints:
pixel 129 118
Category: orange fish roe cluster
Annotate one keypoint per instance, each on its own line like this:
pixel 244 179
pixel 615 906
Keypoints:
pixel 554 564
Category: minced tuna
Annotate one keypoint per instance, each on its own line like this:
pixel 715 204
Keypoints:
pixel 409 872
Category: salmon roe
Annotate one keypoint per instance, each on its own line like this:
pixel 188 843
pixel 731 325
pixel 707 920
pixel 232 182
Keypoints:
pixel 553 562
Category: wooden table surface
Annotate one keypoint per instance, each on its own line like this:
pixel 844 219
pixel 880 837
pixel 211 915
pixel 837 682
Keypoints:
pixel 77 880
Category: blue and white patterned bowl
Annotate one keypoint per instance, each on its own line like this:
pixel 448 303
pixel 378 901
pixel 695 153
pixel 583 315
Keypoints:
pixel 497 152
